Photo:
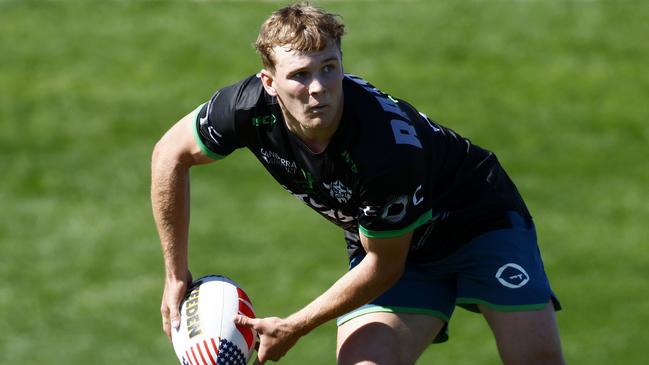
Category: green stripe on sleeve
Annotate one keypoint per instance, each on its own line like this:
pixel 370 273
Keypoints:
pixel 194 125
pixel 399 232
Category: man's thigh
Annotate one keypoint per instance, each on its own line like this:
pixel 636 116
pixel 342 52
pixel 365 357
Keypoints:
pixel 386 338
pixel 526 337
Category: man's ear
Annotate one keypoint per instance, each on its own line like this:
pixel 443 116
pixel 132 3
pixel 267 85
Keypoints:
pixel 268 81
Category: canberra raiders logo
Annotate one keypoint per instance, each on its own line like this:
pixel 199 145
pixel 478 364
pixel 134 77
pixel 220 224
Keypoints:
pixel 339 191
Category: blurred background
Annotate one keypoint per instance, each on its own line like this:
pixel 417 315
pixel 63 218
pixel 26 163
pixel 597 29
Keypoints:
pixel 558 89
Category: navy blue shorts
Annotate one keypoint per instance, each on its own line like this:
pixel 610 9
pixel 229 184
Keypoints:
pixel 501 270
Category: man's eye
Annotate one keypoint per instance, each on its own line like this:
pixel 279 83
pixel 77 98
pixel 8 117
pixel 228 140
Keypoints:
pixel 328 68
pixel 299 75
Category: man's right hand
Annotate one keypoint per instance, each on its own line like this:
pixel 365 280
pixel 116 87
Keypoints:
pixel 174 292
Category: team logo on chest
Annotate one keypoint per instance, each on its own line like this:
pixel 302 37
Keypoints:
pixel 338 191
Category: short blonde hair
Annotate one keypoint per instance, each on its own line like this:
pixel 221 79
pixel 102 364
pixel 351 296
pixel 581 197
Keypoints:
pixel 300 26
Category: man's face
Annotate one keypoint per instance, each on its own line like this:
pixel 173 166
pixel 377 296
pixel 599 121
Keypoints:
pixel 309 87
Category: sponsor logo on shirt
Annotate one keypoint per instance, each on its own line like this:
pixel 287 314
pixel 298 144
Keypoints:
pixel 272 158
pixel 336 215
pixel 371 211
pixel 417 197
pixel 395 210
pixel 264 120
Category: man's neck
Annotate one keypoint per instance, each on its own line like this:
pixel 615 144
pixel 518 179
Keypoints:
pixel 316 139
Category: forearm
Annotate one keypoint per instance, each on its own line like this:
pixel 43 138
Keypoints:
pixel 170 203
pixel 357 287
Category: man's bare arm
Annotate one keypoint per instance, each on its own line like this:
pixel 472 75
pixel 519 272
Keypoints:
pixel 172 157
pixel 378 271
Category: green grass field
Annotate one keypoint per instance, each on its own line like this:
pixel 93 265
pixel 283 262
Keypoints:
pixel 558 89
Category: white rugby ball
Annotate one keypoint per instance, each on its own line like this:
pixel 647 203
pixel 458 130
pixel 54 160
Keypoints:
pixel 207 333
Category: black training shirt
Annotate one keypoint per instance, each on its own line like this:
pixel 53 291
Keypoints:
pixel 387 170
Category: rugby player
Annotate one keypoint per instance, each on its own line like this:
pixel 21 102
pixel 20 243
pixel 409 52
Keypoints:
pixel 431 221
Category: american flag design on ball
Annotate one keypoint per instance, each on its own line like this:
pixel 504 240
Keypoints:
pixel 230 354
pixel 207 333
pixel 226 353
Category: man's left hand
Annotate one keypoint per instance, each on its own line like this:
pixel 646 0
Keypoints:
pixel 276 336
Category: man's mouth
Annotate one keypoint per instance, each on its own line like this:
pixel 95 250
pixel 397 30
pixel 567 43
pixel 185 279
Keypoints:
pixel 317 108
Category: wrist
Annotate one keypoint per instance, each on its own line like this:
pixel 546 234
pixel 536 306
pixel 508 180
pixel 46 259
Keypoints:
pixel 300 324
pixel 177 275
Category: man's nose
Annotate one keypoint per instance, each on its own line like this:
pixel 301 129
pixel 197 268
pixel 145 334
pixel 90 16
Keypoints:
pixel 316 86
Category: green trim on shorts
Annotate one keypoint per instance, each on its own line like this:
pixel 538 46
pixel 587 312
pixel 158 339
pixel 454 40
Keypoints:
pixel 206 151
pixel 473 305
pixel 373 308
pixel 399 232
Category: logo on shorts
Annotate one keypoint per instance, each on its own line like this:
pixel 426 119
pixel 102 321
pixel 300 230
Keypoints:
pixel 512 276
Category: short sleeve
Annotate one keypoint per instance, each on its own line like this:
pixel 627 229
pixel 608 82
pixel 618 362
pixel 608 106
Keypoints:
pixel 214 124
pixel 394 204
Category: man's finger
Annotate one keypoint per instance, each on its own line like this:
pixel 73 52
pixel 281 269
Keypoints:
pixel 164 311
pixel 246 321
pixel 174 317
pixel 170 319
pixel 166 328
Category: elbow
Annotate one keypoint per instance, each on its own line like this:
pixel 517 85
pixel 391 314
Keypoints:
pixel 163 151
pixel 160 155
pixel 167 153
pixel 155 153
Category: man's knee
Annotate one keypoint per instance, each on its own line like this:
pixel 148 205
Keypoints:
pixel 548 355
pixel 371 344
pixel 544 354
pixel 386 338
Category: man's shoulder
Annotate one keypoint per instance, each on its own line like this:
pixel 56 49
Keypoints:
pixel 230 114
pixel 243 95
pixel 375 108
pixel 359 91
pixel 386 138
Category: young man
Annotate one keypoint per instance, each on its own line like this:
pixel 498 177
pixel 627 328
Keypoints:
pixel 430 219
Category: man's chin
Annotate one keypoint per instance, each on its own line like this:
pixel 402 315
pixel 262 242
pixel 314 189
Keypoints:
pixel 318 122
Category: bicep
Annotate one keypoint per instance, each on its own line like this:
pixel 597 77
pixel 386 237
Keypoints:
pixel 180 143
pixel 389 253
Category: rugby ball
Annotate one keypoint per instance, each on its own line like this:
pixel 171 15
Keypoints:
pixel 207 334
